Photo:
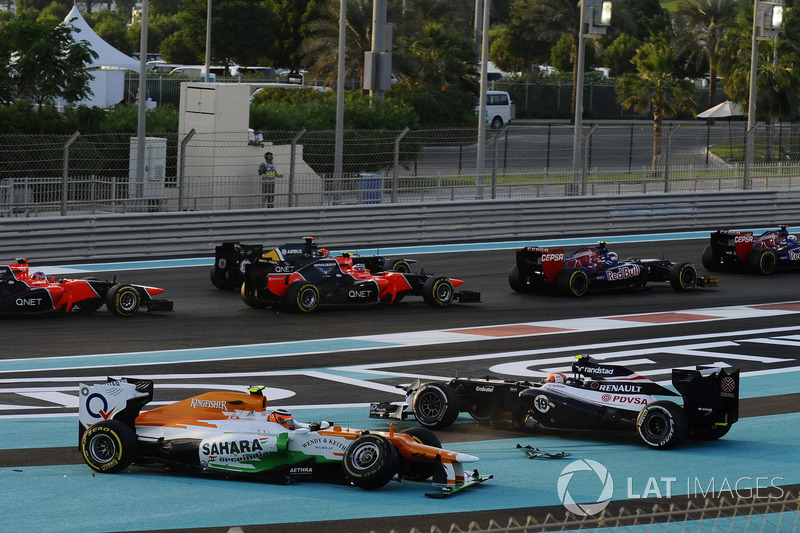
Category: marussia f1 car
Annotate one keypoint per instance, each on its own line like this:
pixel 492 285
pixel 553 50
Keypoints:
pixel 231 260
pixel 595 267
pixel 739 249
pixel 233 434
pixel 23 292
pixel 598 397
pixel 341 280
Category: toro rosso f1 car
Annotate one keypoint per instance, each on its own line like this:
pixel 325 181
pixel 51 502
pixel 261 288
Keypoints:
pixel 341 280
pixel 598 397
pixel 760 255
pixel 595 267
pixel 23 292
pixel 231 260
pixel 233 434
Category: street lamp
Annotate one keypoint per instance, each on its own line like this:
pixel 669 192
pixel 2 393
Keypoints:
pixel 767 22
pixel 595 18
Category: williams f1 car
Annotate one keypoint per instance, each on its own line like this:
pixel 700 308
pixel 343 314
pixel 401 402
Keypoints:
pixel 597 397
pixel 760 255
pixel 23 292
pixel 231 260
pixel 595 267
pixel 233 434
pixel 341 280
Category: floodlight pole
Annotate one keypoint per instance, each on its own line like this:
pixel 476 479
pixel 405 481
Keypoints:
pixel 749 150
pixel 339 141
pixel 208 42
pixel 142 110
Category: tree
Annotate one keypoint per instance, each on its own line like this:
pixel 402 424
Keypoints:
pixel 111 27
pixel 290 28
pixel 240 30
pixel 654 87
pixel 777 81
pixel 699 28
pixel 619 55
pixel 50 64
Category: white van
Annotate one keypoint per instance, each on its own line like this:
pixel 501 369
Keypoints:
pixel 500 109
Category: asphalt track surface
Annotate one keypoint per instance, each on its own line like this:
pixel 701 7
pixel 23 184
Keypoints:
pixel 331 363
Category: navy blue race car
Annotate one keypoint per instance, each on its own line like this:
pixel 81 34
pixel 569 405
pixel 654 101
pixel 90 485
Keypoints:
pixel 770 251
pixel 596 267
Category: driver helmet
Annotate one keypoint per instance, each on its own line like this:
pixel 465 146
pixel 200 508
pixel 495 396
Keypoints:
pixel 556 377
pixel 282 417
pixel 359 268
pixel 791 239
pixel 268 157
pixel 612 257
pixel 323 252
pixel 39 275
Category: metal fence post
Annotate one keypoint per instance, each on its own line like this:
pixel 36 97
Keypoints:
pixel 65 173
pixel 397 163
pixel 666 158
pixel 292 165
pixel 586 141
pixel 182 170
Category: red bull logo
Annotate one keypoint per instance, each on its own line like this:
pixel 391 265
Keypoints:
pixel 624 273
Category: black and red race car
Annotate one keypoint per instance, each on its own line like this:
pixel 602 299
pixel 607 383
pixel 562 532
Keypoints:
pixel 596 267
pixel 341 280
pixel 231 259
pixel 23 292
pixel 772 250
pixel 599 396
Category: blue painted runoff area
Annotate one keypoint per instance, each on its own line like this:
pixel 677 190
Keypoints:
pixel 757 455
pixel 409 250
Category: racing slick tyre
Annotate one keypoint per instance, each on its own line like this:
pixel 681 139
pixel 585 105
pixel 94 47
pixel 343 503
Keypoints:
pixel 217 282
pixel 516 281
pixel 370 462
pixel 398 265
pixel 479 412
pixel 123 300
pixel 438 292
pixel 302 297
pixel 419 471
pixel 249 296
pixel 711 259
pixel 761 262
pixel 683 277
pixel 574 282
pixel 662 425
pixel 108 446
pixel 435 405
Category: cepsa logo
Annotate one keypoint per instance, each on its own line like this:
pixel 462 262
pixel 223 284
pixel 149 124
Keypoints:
pixel 552 257
pixel 747 237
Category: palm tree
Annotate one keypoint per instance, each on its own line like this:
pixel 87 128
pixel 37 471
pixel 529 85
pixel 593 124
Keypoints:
pixel 777 83
pixel 655 88
pixel 699 27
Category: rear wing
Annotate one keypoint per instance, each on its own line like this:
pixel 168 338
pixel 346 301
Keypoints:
pixel 548 261
pixel 740 241
pixel 710 394
pixel 118 399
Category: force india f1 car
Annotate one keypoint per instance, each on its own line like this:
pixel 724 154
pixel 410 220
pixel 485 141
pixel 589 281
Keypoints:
pixel 231 260
pixel 762 255
pixel 341 280
pixel 598 397
pixel 23 292
pixel 233 434
pixel 595 267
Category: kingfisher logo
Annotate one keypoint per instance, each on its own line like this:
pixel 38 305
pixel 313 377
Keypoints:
pixel 624 273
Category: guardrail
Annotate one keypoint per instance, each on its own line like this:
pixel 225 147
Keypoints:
pixel 195 234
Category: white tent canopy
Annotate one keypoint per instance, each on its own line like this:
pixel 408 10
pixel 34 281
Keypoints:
pixel 107 55
pixel 725 109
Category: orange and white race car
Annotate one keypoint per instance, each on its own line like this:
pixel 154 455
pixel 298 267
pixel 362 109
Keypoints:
pixel 234 434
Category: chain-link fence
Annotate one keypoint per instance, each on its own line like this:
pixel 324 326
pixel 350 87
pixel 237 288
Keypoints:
pixel 200 171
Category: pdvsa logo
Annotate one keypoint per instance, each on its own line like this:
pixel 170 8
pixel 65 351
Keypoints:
pixel 587 475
